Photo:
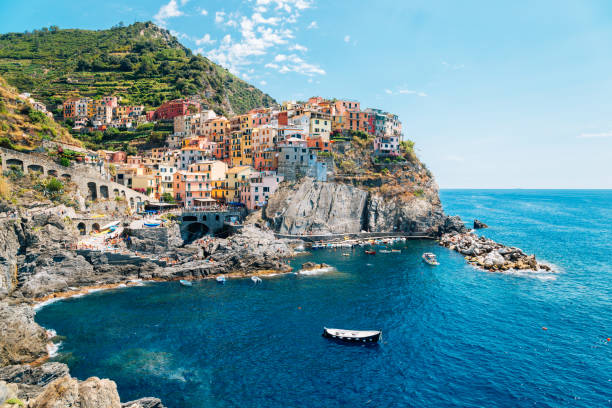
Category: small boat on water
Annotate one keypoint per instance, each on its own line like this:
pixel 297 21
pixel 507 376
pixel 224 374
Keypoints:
pixel 345 254
pixel 396 250
pixel 185 282
pixel 384 251
pixel 370 252
pixel 256 279
pixel 430 259
pixel 220 279
pixel 353 336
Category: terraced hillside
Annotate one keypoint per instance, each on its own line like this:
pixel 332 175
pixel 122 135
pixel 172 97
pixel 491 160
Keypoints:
pixel 142 63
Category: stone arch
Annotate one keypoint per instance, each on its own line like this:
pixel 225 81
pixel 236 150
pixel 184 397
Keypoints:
pixel 104 191
pixel 36 168
pixel 14 162
pixel 52 173
pixel 66 177
pixel 116 192
pixel 123 193
pixel 82 228
pixel 195 230
pixel 189 218
pixel 93 191
pixel 131 202
pixel 95 227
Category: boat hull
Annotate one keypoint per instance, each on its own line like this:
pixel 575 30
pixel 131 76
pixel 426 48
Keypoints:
pixel 341 336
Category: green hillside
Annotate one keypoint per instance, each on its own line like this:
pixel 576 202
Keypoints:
pixel 142 63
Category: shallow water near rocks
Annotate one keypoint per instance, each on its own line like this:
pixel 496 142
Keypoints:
pixel 452 335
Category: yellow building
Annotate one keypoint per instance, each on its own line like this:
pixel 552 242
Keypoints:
pixel 235 177
pixel 219 190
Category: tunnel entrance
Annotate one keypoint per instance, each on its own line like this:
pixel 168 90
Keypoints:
pixel 193 231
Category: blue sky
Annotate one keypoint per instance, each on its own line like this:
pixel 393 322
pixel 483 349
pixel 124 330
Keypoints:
pixel 495 94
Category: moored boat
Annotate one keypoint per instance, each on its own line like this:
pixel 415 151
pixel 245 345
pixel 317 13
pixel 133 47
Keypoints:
pixel 256 279
pixel 370 252
pixel 220 279
pixel 185 282
pixel 396 250
pixel 353 336
pixel 384 251
pixel 430 259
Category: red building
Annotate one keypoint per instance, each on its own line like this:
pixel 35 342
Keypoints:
pixel 177 107
pixel 283 119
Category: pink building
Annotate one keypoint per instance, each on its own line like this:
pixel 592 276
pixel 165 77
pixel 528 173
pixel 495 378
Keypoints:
pixel 256 192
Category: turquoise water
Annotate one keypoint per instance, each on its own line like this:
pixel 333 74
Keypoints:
pixel 453 335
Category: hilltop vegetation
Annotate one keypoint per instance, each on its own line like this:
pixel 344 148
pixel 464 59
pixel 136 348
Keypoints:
pixel 22 127
pixel 141 63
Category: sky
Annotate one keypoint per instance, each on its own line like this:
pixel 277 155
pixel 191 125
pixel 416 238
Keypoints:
pixel 494 94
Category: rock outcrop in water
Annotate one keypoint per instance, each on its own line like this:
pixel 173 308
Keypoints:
pixel 488 254
pixel 480 225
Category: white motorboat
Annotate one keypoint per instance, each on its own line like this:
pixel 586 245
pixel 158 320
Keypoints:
pixel 354 336
pixel 430 259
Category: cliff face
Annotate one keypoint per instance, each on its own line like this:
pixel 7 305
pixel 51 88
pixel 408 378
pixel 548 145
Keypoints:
pixel 312 206
pixel 366 195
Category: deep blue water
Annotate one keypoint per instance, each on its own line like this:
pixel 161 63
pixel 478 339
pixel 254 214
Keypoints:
pixel 453 335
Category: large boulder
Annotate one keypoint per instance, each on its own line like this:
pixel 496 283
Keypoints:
pixel 480 225
pixel 97 393
pixel 69 392
pixel 22 339
pixel 493 259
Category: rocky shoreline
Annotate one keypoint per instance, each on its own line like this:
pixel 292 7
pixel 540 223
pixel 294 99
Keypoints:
pixel 37 266
pixel 489 255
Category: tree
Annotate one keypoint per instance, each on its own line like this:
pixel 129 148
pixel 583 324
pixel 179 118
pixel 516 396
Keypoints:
pixel 167 198
pixel 126 65
pixel 147 67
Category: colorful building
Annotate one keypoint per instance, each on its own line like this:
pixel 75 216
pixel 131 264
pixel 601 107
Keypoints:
pixel 177 107
pixel 260 186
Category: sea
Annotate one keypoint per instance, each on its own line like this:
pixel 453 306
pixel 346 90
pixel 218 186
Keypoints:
pixel 453 335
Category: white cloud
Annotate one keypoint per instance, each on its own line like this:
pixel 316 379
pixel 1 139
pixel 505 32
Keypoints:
pixel 263 83
pixel 205 40
pixel 298 47
pixel 204 12
pixel 388 91
pixel 293 63
pixel 313 25
pixel 183 2
pixel 411 92
pixel 259 19
pixel 266 27
pixel 167 11
pixel 219 16
pixel 601 135
pixel 347 38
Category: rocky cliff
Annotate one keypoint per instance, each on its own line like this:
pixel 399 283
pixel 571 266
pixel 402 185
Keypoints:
pixel 365 195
